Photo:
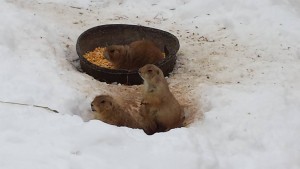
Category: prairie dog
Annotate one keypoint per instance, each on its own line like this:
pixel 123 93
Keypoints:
pixel 158 103
pixel 106 109
pixel 134 55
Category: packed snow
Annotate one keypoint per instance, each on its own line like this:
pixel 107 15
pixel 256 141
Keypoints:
pixel 237 74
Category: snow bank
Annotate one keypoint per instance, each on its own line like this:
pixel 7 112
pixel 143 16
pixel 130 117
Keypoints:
pixel 237 70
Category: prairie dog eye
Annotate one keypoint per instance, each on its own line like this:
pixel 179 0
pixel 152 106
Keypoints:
pixel 103 101
pixel 112 51
pixel 149 70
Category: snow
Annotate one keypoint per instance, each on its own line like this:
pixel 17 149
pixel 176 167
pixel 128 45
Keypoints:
pixel 237 74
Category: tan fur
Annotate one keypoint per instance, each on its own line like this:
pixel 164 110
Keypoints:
pixel 106 109
pixel 159 107
pixel 134 55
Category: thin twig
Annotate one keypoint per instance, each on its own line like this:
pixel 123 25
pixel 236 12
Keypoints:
pixel 32 105
pixel 75 7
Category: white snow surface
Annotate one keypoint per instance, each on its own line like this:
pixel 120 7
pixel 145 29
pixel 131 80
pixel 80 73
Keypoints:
pixel 238 67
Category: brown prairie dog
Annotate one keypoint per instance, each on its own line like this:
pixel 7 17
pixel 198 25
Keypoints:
pixel 134 55
pixel 106 109
pixel 158 103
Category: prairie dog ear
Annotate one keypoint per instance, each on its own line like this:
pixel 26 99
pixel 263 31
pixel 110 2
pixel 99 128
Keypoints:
pixel 157 72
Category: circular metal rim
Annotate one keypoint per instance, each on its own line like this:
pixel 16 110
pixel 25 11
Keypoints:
pixel 123 71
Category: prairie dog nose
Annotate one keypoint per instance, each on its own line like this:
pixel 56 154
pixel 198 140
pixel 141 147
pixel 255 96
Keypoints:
pixel 92 107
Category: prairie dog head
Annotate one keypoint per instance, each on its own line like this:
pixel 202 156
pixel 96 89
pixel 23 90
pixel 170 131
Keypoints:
pixel 150 72
pixel 102 104
pixel 114 53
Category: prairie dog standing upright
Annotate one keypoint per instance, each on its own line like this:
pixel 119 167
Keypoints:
pixel 134 55
pixel 158 103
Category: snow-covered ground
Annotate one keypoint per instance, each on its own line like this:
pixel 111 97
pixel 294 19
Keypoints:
pixel 238 71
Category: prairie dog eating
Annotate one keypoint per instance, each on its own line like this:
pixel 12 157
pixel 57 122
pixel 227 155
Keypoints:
pixel 134 55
